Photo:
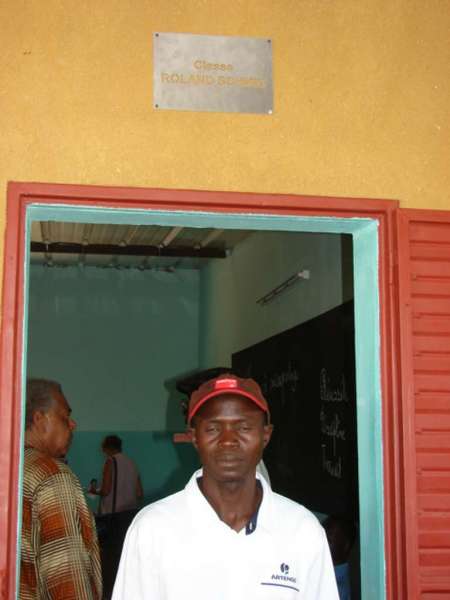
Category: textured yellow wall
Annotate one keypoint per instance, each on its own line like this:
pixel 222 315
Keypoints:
pixel 362 98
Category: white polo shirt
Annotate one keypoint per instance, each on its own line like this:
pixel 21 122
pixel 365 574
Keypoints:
pixel 178 548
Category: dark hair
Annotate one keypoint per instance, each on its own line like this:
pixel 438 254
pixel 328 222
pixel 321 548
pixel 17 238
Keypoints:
pixel 113 442
pixel 40 397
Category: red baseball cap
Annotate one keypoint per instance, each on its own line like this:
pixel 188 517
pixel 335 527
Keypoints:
pixel 227 384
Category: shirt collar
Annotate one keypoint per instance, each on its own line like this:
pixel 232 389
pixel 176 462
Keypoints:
pixel 202 508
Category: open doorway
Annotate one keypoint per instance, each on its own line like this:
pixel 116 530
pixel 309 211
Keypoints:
pixel 119 313
pixel 220 323
pixel 281 215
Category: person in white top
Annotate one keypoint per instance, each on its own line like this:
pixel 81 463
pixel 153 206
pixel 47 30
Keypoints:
pixel 120 492
pixel 227 535
pixel 128 488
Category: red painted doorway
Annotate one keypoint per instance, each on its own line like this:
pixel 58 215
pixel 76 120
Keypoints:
pixel 22 195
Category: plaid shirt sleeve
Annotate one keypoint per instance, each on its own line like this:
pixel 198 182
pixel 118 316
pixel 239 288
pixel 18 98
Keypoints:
pixel 65 542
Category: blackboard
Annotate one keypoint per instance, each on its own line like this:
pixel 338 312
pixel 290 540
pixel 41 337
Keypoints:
pixel 307 374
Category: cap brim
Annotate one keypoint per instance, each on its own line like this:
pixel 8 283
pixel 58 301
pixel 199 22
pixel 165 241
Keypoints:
pixel 234 392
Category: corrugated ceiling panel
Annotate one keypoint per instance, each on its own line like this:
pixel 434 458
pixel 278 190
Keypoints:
pixel 124 235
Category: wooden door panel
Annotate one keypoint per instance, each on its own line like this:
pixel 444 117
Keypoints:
pixel 433 380
pixel 425 363
pixel 433 421
pixel 430 268
pixel 428 250
pixel 433 461
pixel 431 287
pixel 434 343
pixel 424 284
pixel 434 523
pixel 438 504
pixel 422 229
pixel 437 403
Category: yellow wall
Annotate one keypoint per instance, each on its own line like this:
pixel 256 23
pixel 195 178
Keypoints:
pixel 362 98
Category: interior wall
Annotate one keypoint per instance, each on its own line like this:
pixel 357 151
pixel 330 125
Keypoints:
pixel 116 340
pixel 230 318
pixel 361 97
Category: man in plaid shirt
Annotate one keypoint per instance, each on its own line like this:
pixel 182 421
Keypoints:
pixel 59 549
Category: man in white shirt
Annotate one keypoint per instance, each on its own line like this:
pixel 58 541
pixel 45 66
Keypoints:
pixel 227 535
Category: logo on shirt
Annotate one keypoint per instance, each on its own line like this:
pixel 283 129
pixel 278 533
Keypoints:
pixel 282 579
pixel 284 568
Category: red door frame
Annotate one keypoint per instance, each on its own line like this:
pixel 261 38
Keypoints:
pixel 20 195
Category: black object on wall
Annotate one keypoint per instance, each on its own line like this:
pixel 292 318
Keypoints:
pixel 307 374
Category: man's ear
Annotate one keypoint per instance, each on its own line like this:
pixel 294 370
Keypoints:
pixel 191 433
pixel 268 429
pixel 39 420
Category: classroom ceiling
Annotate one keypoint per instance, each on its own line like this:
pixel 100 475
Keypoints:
pixel 57 244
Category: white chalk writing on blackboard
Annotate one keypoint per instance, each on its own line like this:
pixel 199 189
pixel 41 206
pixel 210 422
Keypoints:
pixel 288 378
pixel 333 467
pixel 329 393
pixel 331 425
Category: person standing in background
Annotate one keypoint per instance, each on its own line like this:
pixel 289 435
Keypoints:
pixel 120 492
pixel 119 472
pixel 59 549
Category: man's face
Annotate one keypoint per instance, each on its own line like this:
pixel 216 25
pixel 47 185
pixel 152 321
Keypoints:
pixel 230 434
pixel 58 426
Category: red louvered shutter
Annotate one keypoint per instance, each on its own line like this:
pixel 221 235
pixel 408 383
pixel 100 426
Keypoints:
pixel 424 289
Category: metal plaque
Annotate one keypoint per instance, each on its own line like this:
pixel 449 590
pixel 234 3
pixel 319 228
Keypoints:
pixel 212 73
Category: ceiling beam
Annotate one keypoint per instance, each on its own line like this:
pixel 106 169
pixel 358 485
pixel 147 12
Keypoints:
pixel 171 236
pixel 136 250
pixel 212 235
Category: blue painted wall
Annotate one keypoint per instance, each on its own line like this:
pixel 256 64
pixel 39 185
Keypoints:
pixel 116 340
